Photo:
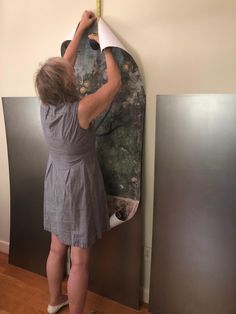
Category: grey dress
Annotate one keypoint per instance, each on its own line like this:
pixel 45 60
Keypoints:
pixel 75 203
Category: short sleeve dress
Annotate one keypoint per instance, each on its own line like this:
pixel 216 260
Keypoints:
pixel 75 202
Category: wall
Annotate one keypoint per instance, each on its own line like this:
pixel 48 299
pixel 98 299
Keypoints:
pixel 181 47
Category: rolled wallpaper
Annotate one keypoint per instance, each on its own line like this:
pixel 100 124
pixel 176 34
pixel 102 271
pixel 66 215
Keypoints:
pixel 120 129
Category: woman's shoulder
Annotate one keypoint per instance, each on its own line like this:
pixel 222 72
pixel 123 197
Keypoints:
pixel 65 106
pixel 63 110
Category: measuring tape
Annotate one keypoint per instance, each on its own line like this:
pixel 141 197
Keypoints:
pixel 98 8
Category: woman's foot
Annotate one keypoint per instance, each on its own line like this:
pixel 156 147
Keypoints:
pixel 54 307
pixel 61 299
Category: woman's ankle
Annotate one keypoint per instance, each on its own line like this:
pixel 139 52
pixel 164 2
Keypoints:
pixel 58 300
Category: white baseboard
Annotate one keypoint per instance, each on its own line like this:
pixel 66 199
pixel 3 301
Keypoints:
pixel 4 247
pixel 145 295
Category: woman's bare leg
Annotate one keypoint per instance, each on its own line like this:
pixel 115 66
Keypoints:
pixel 55 270
pixel 78 280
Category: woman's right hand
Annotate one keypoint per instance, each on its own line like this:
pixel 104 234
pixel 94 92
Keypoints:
pixel 94 36
pixel 87 19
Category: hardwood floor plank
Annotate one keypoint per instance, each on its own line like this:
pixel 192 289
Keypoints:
pixel 23 292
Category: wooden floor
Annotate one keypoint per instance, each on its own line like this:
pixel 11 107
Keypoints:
pixel 24 292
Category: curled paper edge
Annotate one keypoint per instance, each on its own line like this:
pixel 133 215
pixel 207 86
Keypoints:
pixel 115 221
pixel 106 37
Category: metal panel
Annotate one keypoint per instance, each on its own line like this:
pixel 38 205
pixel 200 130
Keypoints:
pixel 194 226
pixel 116 263
pixel 116 259
pixel 27 154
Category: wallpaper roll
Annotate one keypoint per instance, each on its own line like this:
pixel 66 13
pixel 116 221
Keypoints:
pixel 120 129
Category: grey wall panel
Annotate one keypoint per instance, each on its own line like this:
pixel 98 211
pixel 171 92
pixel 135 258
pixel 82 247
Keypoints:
pixel 116 259
pixel 116 263
pixel 194 226
pixel 27 154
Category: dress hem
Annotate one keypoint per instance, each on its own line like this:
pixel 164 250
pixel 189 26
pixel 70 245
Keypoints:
pixel 81 244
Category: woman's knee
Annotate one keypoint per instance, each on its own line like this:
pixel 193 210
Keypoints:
pixel 57 248
pixel 79 258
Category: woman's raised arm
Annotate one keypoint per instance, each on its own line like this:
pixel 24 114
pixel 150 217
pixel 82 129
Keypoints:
pixel 87 20
pixel 93 105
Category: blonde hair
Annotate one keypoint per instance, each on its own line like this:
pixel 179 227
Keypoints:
pixel 55 82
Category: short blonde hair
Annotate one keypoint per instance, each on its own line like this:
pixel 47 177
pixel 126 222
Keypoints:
pixel 55 82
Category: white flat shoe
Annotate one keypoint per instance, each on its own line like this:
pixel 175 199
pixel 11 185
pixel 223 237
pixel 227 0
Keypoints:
pixel 52 309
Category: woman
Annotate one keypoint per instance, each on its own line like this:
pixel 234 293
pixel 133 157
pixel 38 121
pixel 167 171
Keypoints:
pixel 75 208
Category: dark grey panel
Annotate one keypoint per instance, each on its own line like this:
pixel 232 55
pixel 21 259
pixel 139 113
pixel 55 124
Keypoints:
pixel 27 154
pixel 194 226
pixel 116 259
pixel 116 263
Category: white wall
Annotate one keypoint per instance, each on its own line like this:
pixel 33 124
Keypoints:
pixel 181 47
